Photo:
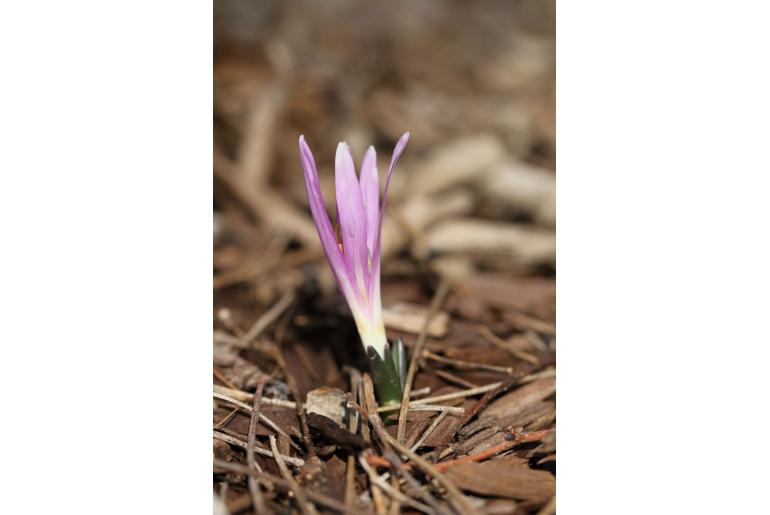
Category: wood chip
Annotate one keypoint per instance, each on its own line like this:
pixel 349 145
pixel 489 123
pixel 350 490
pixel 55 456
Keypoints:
pixel 520 399
pixel 512 245
pixel 533 413
pixel 447 428
pixel 411 317
pixel 335 433
pixel 508 477
pixel 528 294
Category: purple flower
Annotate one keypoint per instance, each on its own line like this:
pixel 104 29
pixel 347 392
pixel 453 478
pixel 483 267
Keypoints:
pixel 355 261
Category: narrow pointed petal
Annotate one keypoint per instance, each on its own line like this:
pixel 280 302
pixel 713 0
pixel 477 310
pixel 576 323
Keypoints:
pixel 322 223
pixel 352 220
pixel 370 192
pixel 375 268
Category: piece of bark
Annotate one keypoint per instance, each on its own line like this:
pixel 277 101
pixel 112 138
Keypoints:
pixel 336 434
pixel 540 410
pixel 411 317
pixel 483 422
pixel 493 440
pixel 483 435
pixel 522 398
pixel 416 424
pixel 510 245
pixel 323 476
pixel 459 161
pixel 445 431
pixel 524 188
pixel 549 443
pixel 527 294
pixel 508 477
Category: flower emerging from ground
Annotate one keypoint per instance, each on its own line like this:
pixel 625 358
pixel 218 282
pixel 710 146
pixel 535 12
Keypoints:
pixel 355 256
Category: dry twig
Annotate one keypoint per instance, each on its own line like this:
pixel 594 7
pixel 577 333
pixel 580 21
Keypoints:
pixel 445 397
pixel 221 435
pixel 383 485
pixel 451 378
pixel 256 493
pixel 268 317
pixel 269 423
pixel 456 497
pixel 441 416
pixel 292 383
pixel 466 365
pixel 304 504
pixel 350 471
pixel 438 299
pixel 495 450
pixel 498 342
pixel 242 396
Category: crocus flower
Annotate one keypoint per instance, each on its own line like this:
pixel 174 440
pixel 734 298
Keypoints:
pixel 355 257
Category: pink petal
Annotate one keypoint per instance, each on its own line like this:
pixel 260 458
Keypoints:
pixel 377 241
pixel 321 219
pixel 352 219
pixel 370 192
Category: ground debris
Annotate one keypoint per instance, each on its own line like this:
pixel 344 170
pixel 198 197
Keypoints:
pixel 521 398
pixel 508 477
pixel 335 433
pixel 410 317
pixel 470 210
